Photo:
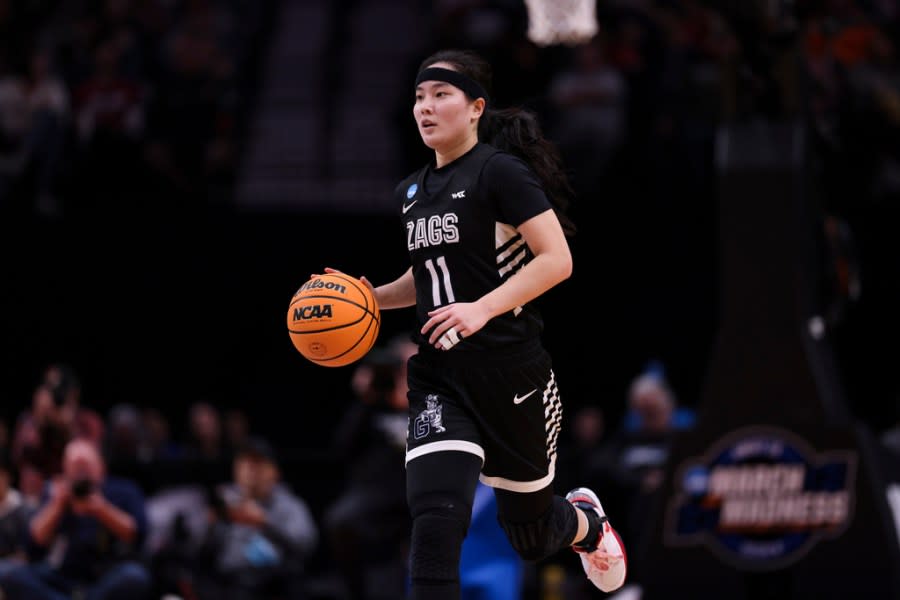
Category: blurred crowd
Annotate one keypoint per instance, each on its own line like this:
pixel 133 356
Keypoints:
pixel 153 93
pixel 131 506
pixel 123 104
pixel 127 505
pixel 123 507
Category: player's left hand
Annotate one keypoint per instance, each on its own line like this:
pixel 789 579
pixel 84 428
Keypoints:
pixel 450 324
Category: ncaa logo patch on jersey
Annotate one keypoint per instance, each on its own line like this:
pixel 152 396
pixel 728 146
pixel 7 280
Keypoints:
pixel 411 191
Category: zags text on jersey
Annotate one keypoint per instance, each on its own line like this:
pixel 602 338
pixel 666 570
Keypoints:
pixel 432 231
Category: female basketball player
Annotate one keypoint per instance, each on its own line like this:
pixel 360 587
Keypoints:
pixel 484 241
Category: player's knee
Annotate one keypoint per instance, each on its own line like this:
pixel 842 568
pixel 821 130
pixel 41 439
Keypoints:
pixel 533 541
pixel 439 528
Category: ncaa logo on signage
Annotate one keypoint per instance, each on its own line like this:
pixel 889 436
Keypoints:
pixel 761 498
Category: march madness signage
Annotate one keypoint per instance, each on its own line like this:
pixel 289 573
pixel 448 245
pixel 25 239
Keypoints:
pixel 760 498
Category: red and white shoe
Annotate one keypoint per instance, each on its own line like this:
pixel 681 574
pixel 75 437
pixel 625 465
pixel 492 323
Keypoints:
pixel 604 562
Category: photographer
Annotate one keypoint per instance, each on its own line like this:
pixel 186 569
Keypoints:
pixel 87 531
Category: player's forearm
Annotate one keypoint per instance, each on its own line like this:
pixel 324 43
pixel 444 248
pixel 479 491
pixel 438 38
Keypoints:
pixel 399 293
pixel 542 273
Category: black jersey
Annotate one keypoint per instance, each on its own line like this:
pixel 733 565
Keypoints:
pixel 460 225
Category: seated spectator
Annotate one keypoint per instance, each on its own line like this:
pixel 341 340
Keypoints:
pixel 159 444
pixel 368 523
pixel 236 427
pixel 124 449
pixel 13 521
pixel 631 465
pixel 204 456
pixel 644 444
pixel 652 404
pixel 31 484
pixel 177 522
pixel 205 441
pixel 86 535
pixel 125 438
pixel 259 535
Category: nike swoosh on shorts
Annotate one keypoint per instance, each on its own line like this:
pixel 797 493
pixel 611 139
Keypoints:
pixel 519 400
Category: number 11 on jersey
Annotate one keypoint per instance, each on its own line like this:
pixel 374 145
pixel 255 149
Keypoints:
pixel 436 281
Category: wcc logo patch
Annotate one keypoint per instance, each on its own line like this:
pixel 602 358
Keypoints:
pixel 430 418
pixel 761 498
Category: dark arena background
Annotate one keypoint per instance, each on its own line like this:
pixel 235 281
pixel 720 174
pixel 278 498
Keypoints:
pixel 171 172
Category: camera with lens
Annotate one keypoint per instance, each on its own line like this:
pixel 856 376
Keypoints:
pixel 82 488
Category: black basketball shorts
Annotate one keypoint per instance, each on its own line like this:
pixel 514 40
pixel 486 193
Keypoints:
pixel 508 415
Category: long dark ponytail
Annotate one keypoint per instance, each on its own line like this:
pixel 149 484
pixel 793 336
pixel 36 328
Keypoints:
pixel 517 131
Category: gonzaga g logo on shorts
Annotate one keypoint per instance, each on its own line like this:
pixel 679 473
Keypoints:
pixel 760 498
pixel 430 418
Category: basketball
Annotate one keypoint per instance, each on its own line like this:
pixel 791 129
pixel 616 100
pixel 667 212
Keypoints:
pixel 333 320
